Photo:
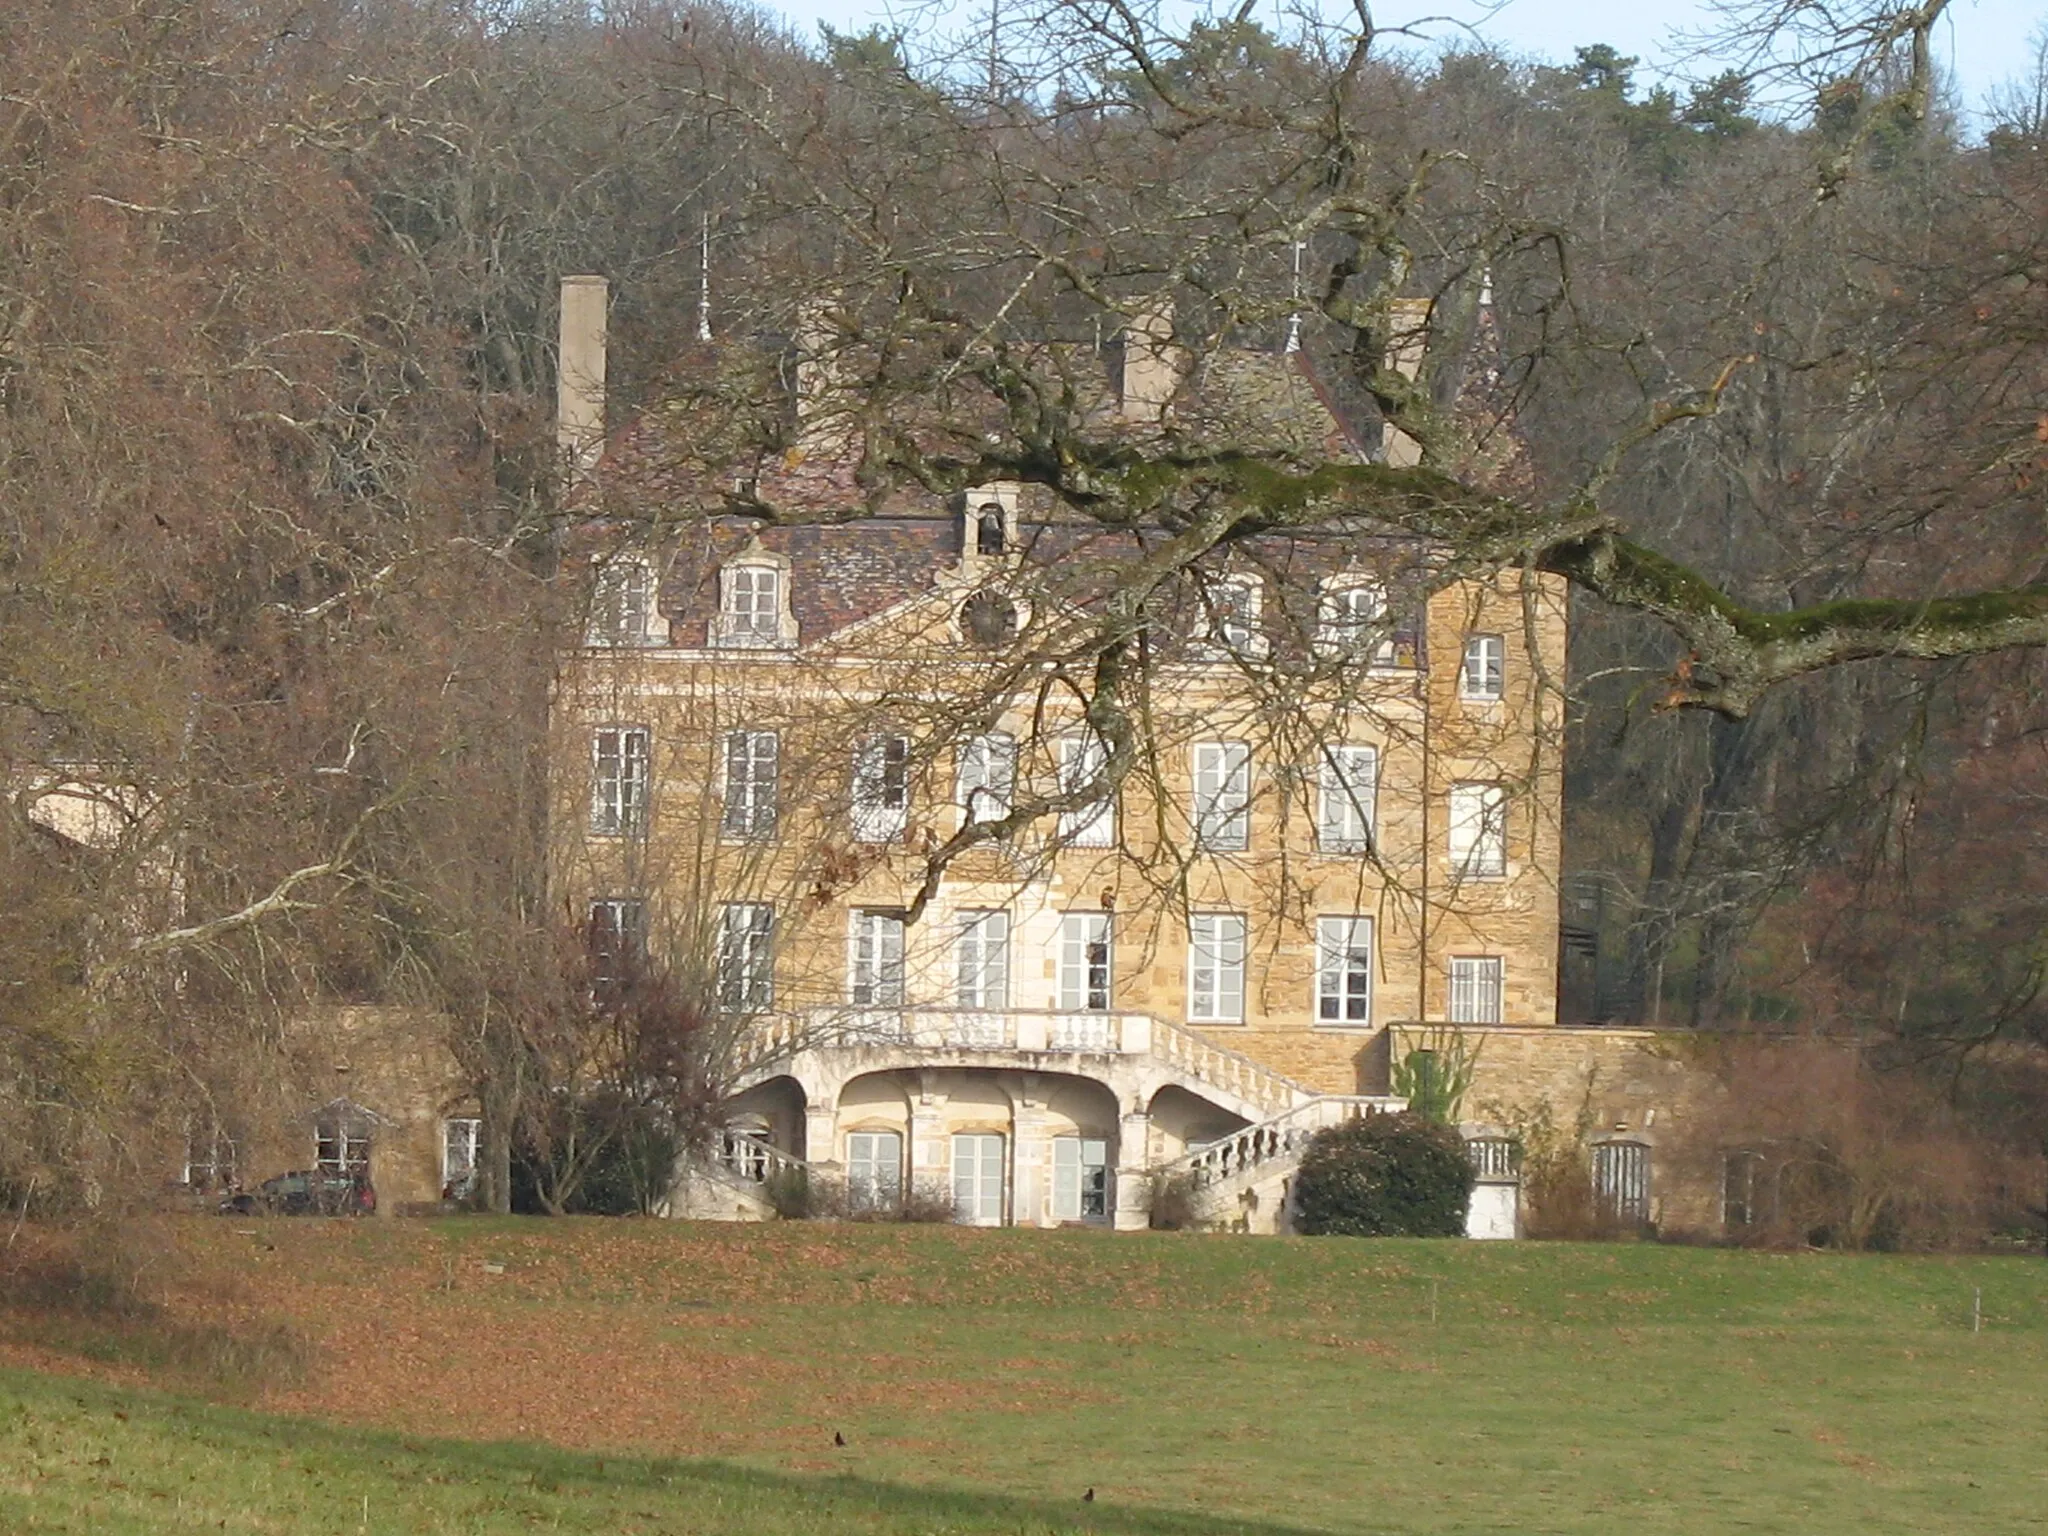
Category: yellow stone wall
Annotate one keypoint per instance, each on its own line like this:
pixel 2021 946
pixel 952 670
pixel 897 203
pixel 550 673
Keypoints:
pixel 908 672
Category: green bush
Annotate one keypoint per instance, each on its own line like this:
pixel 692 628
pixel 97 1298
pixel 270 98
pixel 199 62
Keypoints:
pixel 1384 1176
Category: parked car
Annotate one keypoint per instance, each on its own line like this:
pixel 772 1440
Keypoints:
pixel 306 1192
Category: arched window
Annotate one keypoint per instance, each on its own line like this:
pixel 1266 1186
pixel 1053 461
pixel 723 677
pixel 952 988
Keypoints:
pixel 991 530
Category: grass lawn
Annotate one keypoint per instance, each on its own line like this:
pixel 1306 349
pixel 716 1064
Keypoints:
pixel 691 1379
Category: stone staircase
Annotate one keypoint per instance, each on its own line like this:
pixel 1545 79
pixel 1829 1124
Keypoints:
pixel 938 1035
pixel 1241 1182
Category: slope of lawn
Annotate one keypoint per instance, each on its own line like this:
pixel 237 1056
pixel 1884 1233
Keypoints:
pixel 693 1378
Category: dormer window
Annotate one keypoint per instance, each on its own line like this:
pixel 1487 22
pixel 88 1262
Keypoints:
pixel 622 605
pixel 988 523
pixel 1232 607
pixel 991 530
pixel 1352 622
pixel 752 595
pixel 753 606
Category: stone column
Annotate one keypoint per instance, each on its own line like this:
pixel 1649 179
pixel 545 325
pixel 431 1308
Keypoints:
pixel 1029 1202
pixel 821 1121
pixel 931 1158
pixel 1133 1164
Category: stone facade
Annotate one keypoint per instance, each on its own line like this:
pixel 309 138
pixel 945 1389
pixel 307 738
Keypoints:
pixel 766 776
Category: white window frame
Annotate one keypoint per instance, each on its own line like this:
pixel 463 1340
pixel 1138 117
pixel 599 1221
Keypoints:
pixel 1216 954
pixel 972 1205
pixel 1082 759
pixel 1233 614
pixel 985 777
pixel 1344 988
pixel 981 955
pixel 469 1131
pixel 1350 611
pixel 351 1140
pixel 1086 964
pixel 1080 1178
pixel 753 606
pixel 874 958
pixel 746 957
pixel 1347 793
pixel 1478 831
pixel 624 604
pixel 619 775
pixel 1477 989
pixel 750 786
pixel 881 788
pixel 1482 669
pixel 874 1169
pixel 1222 815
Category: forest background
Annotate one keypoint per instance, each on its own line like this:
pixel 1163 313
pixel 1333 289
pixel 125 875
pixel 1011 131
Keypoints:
pixel 281 537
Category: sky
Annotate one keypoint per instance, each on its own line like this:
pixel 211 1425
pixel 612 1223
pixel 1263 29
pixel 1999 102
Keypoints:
pixel 1984 42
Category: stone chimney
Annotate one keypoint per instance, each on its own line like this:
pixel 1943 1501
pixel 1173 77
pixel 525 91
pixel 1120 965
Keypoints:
pixel 823 421
pixel 579 376
pixel 1407 340
pixel 1152 364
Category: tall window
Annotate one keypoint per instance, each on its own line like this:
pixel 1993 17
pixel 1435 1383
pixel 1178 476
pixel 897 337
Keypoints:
pixel 1479 831
pixel 1346 785
pixel 1223 795
pixel 617 946
pixel 1621 1179
pixel 1479 674
pixel 978 1160
pixel 1344 970
pixel 746 959
pixel 461 1141
pixel 1080 1178
pixel 752 770
pixel 618 781
pixel 881 788
pixel 875 965
pixel 987 776
pixel 1739 1207
pixel 1475 989
pixel 1084 962
pixel 1082 759
pixel 750 606
pixel 1233 606
pixel 621 603
pixel 874 1170
pixel 982 960
pixel 1216 968
pixel 1352 622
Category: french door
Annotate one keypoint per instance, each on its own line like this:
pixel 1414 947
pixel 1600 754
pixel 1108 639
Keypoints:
pixel 978 1179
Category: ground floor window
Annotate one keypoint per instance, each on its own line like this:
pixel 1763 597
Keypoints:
pixel 1080 1178
pixel 1621 1179
pixel 460 1141
pixel 341 1144
pixel 874 1169
pixel 1739 1189
pixel 978 1179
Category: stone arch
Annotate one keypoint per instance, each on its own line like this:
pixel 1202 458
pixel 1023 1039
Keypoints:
pixel 1181 1120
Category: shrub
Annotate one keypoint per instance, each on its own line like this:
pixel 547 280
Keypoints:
pixel 1173 1202
pixel 1384 1176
